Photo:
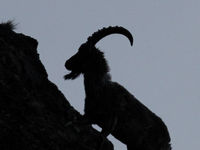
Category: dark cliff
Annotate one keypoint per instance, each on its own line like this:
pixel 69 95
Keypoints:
pixel 34 114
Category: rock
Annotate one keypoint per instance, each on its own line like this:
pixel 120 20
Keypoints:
pixel 34 114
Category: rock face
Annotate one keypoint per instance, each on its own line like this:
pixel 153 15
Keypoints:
pixel 34 114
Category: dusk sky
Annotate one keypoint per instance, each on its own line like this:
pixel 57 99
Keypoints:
pixel 162 68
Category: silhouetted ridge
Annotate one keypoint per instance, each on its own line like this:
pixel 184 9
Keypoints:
pixel 9 25
pixel 34 114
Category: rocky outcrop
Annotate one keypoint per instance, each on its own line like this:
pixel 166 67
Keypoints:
pixel 34 114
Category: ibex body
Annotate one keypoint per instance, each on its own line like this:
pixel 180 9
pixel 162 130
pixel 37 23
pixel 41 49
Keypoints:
pixel 109 104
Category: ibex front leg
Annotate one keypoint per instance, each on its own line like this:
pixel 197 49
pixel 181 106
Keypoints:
pixel 106 131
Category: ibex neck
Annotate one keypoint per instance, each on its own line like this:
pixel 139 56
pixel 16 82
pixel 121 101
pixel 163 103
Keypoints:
pixel 95 82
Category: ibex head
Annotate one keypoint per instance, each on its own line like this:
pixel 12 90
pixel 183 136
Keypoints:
pixel 88 55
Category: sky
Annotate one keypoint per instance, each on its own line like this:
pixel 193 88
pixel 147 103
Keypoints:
pixel 162 69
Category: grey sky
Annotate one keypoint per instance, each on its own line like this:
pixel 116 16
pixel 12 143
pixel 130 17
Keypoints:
pixel 162 69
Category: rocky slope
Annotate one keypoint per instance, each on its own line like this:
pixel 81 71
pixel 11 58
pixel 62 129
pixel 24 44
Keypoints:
pixel 34 114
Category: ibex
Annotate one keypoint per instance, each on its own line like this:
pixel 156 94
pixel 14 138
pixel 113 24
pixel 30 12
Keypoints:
pixel 110 105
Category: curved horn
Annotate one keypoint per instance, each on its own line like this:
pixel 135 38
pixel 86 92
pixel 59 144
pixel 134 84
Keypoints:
pixel 97 36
